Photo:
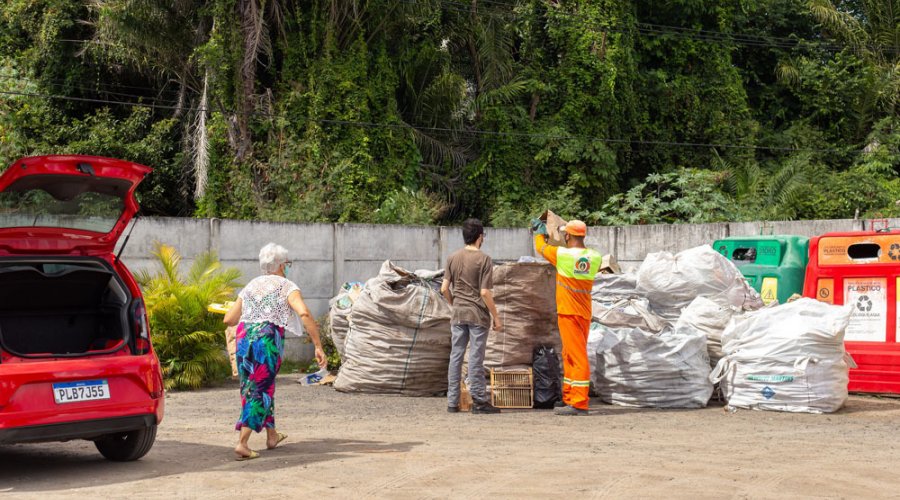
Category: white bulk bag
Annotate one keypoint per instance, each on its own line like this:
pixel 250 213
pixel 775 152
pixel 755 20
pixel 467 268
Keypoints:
pixel 786 358
pixel 709 318
pixel 659 370
pixel 634 313
pixel 609 288
pixel 623 314
pixel 671 282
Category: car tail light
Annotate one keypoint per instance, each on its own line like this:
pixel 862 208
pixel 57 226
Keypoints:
pixel 140 331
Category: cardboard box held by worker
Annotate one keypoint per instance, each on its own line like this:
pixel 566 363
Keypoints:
pixel 555 225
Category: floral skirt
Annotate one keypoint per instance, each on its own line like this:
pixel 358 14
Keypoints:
pixel 260 347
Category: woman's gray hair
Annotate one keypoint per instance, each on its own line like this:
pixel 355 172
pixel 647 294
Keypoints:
pixel 271 257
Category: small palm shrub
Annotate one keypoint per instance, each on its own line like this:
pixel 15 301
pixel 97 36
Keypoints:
pixel 189 340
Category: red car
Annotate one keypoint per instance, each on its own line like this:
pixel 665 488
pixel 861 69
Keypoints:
pixel 75 355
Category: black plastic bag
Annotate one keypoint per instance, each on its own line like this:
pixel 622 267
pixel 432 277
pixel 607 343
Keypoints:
pixel 547 382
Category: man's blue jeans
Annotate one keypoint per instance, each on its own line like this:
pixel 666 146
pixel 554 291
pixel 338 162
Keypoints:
pixel 475 337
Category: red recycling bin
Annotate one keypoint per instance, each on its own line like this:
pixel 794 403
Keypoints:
pixel 862 268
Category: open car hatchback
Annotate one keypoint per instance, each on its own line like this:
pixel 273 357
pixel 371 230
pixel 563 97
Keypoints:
pixel 75 355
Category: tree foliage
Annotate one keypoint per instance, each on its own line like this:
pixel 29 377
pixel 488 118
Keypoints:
pixel 431 111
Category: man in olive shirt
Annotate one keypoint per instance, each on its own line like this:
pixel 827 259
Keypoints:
pixel 467 287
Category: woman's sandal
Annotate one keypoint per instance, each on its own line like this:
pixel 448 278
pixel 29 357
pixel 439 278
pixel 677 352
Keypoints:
pixel 281 437
pixel 251 456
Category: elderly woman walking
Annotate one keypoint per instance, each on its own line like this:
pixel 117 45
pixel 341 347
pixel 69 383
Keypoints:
pixel 263 311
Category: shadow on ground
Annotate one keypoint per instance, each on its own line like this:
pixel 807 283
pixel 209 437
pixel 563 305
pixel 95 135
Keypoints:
pixel 60 466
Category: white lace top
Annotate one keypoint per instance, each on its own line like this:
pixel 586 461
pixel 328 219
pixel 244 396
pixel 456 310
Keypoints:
pixel 265 298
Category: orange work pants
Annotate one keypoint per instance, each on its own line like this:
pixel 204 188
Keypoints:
pixel 573 330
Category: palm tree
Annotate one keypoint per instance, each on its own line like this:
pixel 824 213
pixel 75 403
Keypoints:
pixel 772 193
pixel 159 39
pixel 187 338
pixel 156 37
pixel 447 89
pixel 454 61
pixel 259 21
pixel 871 28
pixel 162 38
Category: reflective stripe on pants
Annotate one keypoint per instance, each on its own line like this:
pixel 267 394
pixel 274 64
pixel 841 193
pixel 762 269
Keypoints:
pixel 573 330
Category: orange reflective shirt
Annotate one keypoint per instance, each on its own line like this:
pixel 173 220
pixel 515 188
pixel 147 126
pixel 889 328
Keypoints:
pixel 575 271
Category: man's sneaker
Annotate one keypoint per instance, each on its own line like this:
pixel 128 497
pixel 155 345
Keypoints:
pixel 485 408
pixel 453 409
pixel 569 411
pixel 559 404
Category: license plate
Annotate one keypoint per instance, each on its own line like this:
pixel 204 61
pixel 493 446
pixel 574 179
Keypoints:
pixel 85 390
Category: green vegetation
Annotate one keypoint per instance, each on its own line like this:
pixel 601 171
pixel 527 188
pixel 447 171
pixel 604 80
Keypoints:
pixel 189 340
pixel 331 353
pixel 431 111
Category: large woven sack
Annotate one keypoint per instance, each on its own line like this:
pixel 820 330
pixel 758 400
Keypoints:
pixel 611 288
pixel 706 317
pixel 671 282
pixel 525 294
pixel 789 357
pixel 633 313
pixel 399 338
pixel 634 367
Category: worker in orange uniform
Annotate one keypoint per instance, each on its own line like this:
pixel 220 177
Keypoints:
pixel 576 267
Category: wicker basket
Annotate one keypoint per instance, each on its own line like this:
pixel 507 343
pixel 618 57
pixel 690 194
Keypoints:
pixel 512 388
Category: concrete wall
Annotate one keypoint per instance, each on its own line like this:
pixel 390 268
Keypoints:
pixel 327 255
pixel 324 255
pixel 633 243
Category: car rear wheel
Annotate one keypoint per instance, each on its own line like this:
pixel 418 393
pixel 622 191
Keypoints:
pixel 127 446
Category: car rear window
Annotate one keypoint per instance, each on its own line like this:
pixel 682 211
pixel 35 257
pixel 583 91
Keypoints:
pixel 89 204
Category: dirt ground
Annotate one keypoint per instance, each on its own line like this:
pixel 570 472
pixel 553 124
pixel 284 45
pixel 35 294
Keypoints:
pixel 360 446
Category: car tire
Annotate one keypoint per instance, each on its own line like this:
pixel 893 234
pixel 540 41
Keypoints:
pixel 127 446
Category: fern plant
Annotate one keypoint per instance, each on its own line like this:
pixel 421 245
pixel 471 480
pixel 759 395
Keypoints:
pixel 189 340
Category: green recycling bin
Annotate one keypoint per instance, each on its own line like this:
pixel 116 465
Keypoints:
pixel 774 265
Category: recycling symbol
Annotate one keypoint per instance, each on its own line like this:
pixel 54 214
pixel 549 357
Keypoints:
pixel 894 251
pixel 864 303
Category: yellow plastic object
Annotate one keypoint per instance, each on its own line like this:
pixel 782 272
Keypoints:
pixel 220 308
pixel 769 290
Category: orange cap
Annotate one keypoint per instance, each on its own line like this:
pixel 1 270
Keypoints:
pixel 576 228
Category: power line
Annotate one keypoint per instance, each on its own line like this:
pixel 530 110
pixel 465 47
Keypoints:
pixel 102 84
pixel 98 101
pixel 473 132
pixel 62 85
pixel 661 30
pixel 114 85
pixel 524 135
pixel 641 29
